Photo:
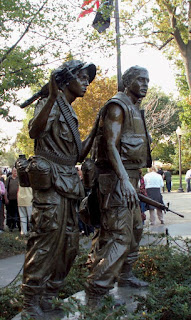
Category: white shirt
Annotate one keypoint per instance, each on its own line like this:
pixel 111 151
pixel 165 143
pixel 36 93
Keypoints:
pixel 153 180
pixel 188 175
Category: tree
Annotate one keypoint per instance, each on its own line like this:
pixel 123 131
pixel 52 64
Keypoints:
pixel 161 112
pixel 24 144
pixel 8 158
pixel 100 90
pixel 185 116
pixel 34 34
pixel 165 25
pixel 162 119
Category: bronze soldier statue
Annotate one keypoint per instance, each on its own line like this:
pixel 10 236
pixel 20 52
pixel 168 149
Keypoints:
pixel 53 243
pixel 121 148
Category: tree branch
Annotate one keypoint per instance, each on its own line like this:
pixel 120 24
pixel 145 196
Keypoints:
pixel 164 44
pixel 177 35
pixel 26 30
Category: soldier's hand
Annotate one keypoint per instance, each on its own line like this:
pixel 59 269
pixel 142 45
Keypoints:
pixel 53 87
pixel 129 192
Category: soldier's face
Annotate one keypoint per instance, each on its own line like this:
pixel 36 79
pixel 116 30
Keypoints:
pixel 139 85
pixel 79 86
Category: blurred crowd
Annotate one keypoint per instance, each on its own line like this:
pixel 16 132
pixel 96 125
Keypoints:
pixel 16 201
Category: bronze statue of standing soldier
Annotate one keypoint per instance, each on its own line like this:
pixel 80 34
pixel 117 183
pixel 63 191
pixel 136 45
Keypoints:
pixel 121 148
pixel 54 238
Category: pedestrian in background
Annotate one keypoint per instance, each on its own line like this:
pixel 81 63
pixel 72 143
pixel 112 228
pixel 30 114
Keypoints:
pixel 161 172
pixel 2 192
pixel 153 185
pixel 142 190
pixel 168 178
pixel 187 179
pixel 12 185
pixel 24 199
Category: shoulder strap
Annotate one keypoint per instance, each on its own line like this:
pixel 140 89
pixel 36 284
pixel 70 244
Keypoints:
pixel 71 123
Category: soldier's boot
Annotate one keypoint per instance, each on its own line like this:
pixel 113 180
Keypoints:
pixel 31 305
pixel 50 308
pixel 127 278
pixel 95 298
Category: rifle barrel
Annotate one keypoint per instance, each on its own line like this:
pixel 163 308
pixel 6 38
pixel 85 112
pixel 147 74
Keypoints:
pixel 156 204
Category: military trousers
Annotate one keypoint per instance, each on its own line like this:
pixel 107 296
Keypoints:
pixel 117 243
pixel 53 242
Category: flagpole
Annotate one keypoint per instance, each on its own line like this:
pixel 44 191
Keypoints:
pixel 118 44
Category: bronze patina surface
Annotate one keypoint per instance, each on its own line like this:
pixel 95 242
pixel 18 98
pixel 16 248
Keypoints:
pixel 54 237
pixel 121 148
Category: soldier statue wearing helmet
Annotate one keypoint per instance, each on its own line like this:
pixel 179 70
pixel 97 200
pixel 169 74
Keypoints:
pixel 53 242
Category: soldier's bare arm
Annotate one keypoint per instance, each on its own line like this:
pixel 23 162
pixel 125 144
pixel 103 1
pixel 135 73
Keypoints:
pixel 38 124
pixel 112 131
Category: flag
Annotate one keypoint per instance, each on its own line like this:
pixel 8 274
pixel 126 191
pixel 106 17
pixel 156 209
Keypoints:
pixel 102 18
pixel 89 10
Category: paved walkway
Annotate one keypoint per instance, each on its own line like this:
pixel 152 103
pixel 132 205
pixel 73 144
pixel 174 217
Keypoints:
pixel 177 226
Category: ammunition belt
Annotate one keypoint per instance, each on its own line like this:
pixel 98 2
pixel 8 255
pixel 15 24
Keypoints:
pixel 61 160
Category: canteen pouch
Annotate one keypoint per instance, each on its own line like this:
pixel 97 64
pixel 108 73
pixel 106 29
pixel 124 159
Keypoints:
pixel 21 164
pixel 89 173
pixel 39 172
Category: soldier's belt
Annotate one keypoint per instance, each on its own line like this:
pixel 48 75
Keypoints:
pixel 61 160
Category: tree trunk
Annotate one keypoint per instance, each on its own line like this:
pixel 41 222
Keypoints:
pixel 187 64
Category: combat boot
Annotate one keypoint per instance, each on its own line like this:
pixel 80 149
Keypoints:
pixel 49 308
pixel 31 303
pixel 127 278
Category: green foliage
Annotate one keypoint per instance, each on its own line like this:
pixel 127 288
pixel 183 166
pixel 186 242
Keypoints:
pixel 106 311
pixel 162 119
pixel 11 300
pixel 167 268
pixel 24 143
pixel 169 272
pixel 11 244
pixel 36 33
pixel 100 90
pixel 164 25
pixel 8 158
pixel 76 277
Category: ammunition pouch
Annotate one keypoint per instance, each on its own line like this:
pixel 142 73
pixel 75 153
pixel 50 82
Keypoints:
pixel 39 172
pixel 21 165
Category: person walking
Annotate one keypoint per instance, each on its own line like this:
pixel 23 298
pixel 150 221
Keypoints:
pixel 188 179
pixel 2 193
pixel 142 190
pixel 168 178
pixel 12 185
pixel 24 199
pixel 153 185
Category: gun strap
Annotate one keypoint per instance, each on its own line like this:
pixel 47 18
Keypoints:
pixel 64 108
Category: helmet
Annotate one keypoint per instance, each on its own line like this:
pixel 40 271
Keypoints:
pixel 68 71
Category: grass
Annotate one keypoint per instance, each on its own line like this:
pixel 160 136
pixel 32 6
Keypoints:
pixel 176 182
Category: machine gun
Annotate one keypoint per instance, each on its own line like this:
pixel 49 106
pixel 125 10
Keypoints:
pixel 157 204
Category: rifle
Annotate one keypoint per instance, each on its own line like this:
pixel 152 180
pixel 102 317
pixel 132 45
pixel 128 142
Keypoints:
pixel 156 204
